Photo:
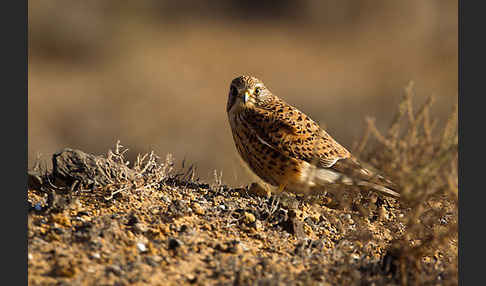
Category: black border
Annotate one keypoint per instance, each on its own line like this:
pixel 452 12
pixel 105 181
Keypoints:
pixel 471 118
pixel 14 119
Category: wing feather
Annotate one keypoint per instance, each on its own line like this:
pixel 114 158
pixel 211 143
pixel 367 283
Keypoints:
pixel 294 134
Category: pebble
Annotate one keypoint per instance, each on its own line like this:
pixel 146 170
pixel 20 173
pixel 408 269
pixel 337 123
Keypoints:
pixel 96 255
pixel 248 218
pixel 64 268
pixel 355 257
pixel 244 247
pixel 197 209
pixel 115 269
pixel 191 278
pixel 140 227
pixel 38 207
pixel 154 260
pixel 141 247
pixel 174 243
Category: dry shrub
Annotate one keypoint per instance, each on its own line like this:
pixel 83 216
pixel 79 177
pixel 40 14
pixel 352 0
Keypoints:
pixel 422 159
pixel 147 171
pixel 76 173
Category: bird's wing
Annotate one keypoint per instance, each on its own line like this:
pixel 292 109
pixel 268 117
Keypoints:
pixel 292 133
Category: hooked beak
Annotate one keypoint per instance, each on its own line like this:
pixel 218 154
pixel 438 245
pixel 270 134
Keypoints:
pixel 246 96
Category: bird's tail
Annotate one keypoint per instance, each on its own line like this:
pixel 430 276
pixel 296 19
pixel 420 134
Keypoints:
pixel 350 172
pixel 380 188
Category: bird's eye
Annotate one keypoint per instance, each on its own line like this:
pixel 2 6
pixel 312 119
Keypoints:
pixel 257 91
pixel 233 91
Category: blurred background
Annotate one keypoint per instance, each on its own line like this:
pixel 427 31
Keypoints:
pixel 155 74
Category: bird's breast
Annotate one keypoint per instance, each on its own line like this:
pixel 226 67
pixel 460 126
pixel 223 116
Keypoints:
pixel 266 162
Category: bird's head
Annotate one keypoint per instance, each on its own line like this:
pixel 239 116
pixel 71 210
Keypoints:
pixel 247 92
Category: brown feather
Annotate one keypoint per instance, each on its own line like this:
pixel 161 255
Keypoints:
pixel 295 134
pixel 351 168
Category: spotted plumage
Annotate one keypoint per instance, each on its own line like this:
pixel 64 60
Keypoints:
pixel 285 148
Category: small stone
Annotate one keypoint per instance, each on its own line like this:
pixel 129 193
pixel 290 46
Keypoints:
pixel 222 207
pixel 197 209
pixel 256 190
pixel 141 247
pixel 244 247
pixel 61 219
pixel 57 230
pixel 132 220
pixel 96 255
pixel 63 268
pixel 248 218
pixel 153 261
pixel 140 227
pixel 184 228
pixel 115 269
pixel 206 226
pixel 233 246
pixel 38 207
pixel 174 243
pixel 355 257
pixel 191 278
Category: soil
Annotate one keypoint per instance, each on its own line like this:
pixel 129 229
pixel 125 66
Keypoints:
pixel 184 232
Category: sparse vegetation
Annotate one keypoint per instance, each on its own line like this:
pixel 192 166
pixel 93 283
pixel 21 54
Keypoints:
pixel 108 223
pixel 423 161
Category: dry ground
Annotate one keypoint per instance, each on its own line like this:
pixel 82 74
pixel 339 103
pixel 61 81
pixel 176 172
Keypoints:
pixel 183 232
pixel 97 220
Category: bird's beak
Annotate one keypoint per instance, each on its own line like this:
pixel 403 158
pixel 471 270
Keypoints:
pixel 246 96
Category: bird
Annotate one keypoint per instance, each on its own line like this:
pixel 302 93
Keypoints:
pixel 288 151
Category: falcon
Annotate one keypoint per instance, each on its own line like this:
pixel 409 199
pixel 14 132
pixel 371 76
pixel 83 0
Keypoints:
pixel 286 149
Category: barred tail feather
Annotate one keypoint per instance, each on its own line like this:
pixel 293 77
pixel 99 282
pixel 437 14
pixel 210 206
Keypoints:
pixel 380 188
pixel 325 176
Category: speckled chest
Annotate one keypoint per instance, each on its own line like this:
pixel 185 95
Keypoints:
pixel 270 165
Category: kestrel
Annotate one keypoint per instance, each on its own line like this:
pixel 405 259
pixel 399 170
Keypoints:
pixel 286 149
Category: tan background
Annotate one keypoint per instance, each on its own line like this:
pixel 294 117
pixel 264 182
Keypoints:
pixel 155 74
